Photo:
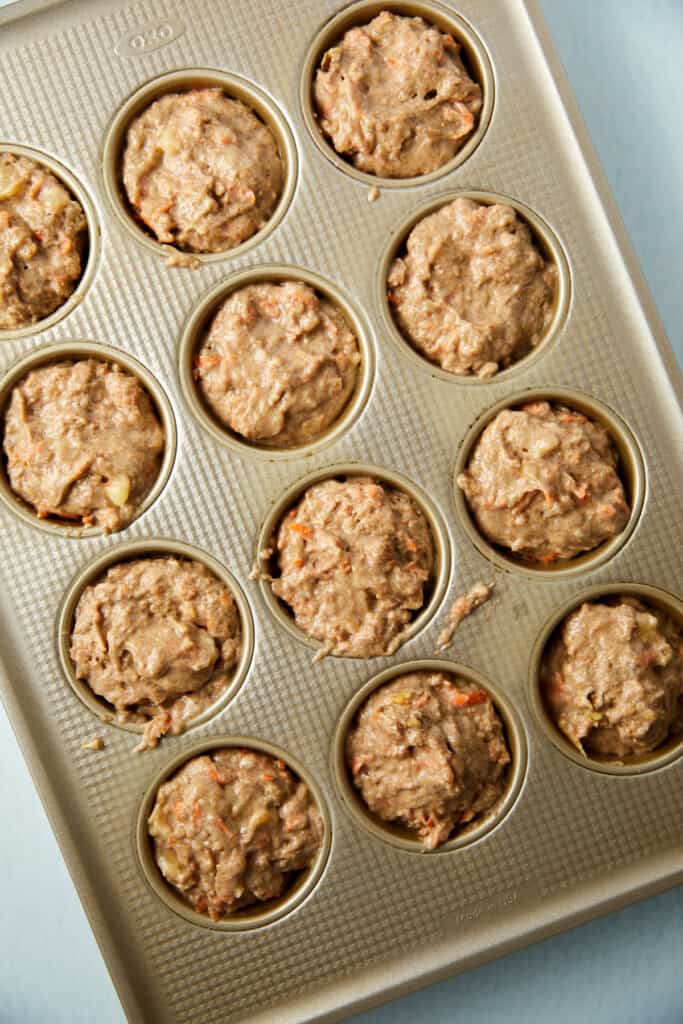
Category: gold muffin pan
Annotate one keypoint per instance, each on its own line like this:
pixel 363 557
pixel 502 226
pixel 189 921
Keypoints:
pixel 570 836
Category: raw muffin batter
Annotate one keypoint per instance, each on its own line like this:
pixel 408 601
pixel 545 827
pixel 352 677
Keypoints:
pixel 354 557
pixel 201 171
pixel 394 98
pixel 472 293
pixel 231 827
pixel 159 639
pixel 463 606
pixel 83 442
pixel 279 363
pixel 43 232
pixel 612 677
pixel 542 482
pixel 428 750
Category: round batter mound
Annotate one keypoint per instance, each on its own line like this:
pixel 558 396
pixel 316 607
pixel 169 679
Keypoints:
pixel 231 828
pixel 83 442
pixel 394 98
pixel 43 234
pixel 612 678
pixel 158 639
pixel 428 751
pixel 201 171
pixel 542 482
pixel 354 558
pixel 279 363
pixel 473 292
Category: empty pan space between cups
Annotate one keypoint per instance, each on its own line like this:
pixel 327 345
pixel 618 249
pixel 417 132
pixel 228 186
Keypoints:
pixel 74 351
pixel 631 470
pixel 133 551
pixel 196 329
pixel 181 81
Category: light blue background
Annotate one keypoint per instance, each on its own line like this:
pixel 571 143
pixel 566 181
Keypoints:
pixel 624 59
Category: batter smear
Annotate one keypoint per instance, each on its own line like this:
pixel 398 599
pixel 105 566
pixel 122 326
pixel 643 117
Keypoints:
pixel 463 606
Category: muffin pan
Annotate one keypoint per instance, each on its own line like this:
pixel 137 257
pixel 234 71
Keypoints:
pixel 372 918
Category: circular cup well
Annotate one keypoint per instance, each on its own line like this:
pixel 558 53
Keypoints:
pixel 256 916
pixel 75 350
pixel 631 469
pixel 668 752
pixel 199 321
pixel 475 57
pixel 149 548
pixel 92 246
pixel 400 836
pixel 436 587
pixel 546 241
pixel 182 81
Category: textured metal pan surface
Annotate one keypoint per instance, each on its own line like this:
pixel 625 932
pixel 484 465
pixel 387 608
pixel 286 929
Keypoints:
pixel 379 920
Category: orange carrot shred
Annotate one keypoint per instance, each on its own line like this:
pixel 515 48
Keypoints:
pixel 301 528
pixel 465 700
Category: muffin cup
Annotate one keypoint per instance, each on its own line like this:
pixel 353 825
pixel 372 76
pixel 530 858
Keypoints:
pixel 92 246
pixel 546 241
pixel 638 764
pixel 95 570
pixel 184 80
pixel 400 836
pixel 257 915
pixel 76 350
pixel 631 469
pixel 437 584
pixel 474 54
pixel 194 333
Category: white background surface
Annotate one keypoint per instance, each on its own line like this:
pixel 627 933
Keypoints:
pixel 624 59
